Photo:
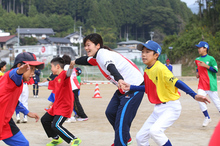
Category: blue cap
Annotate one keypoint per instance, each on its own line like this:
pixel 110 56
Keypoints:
pixel 203 44
pixel 150 45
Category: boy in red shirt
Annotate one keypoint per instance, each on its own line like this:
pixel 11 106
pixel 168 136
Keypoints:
pixel 62 107
pixel 11 85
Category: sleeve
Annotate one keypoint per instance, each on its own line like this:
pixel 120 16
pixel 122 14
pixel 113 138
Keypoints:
pixel 51 85
pixel 114 72
pixel 20 107
pixel 82 60
pixel 214 64
pixel 168 77
pixel 212 69
pixel 181 85
pixel 16 78
pixel 137 88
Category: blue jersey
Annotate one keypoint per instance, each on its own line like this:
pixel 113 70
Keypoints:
pixel 170 67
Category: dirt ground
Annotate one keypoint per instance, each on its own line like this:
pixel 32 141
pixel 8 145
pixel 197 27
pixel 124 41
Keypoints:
pixel 186 131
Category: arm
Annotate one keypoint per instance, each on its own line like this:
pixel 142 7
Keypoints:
pixel 82 61
pixel 16 78
pixel 181 85
pixel 114 72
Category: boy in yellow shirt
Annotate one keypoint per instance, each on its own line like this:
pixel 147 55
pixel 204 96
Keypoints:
pixel 162 90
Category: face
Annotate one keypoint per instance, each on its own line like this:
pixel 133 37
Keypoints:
pixel 28 74
pixel 3 68
pixel 167 62
pixel 149 57
pixel 91 48
pixel 202 51
pixel 54 68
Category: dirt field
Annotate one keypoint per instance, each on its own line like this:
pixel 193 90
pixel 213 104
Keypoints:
pixel 186 131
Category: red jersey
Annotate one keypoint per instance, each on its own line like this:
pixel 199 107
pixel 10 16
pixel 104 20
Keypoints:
pixel 63 104
pixel 9 96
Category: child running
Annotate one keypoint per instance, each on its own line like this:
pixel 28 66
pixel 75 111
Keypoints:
pixel 206 72
pixel 62 108
pixel 116 68
pixel 162 90
pixel 11 85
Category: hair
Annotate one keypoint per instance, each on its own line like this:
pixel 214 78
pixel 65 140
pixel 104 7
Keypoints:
pixel 156 53
pixel 67 59
pixel 96 39
pixel 2 64
pixel 58 60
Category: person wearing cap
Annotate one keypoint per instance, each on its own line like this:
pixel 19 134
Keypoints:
pixel 168 65
pixel 162 90
pixel 206 73
pixel 123 106
pixel 2 68
pixel 11 85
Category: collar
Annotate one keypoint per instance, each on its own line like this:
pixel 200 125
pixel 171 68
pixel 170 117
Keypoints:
pixel 96 53
pixel 204 56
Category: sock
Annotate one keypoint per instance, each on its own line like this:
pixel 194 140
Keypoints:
pixel 167 143
pixel 56 137
pixel 206 114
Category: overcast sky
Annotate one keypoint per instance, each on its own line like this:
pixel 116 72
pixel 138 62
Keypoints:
pixel 189 2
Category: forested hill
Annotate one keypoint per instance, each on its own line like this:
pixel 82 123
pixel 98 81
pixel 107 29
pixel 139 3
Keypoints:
pixel 113 19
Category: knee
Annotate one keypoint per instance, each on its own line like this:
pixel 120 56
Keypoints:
pixel 26 143
pixel 154 132
pixel 109 113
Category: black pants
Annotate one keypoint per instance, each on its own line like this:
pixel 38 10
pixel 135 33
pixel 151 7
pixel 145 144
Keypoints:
pixel 53 127
pixel 77 105
pixel 35 89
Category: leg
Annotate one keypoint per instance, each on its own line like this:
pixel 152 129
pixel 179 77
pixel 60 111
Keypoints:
pixel 143 134
pixel 214 97
pixel 46 121
pixel 17 140
pixel 34 90
pixel 167 114
pixel 37 89
pixel 127 110
pixel 60 130
pixel 112 109
pixel 77 105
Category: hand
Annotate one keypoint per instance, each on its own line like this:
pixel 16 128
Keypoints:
pixel 22 69
pixel 202 99
pixel 33 115
pixel 197 75
pixel 72 63
pixel 203 64
pixel 123 85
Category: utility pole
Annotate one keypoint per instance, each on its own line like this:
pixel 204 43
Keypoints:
pixel 80 39
pixel 18 36
pixel 151 35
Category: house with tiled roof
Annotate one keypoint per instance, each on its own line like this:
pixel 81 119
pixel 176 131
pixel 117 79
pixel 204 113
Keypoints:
pixel 38 33
pixel 54 41
pixel 8 41
pixel 75 38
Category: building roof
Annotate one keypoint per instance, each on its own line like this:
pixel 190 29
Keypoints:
pixel 129 42
pixel 72 34
pixel 35 31
pixel 6 38
pixel 58 40
pixel 42 41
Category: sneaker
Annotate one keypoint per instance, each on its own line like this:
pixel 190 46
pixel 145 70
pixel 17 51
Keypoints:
pixel 73 119
pixel 68 120
pixel 55 142
pixel 18 119
pixel 76 142
pixel 128 143
pixel 24 120
pixel 82 119
pixel 206 122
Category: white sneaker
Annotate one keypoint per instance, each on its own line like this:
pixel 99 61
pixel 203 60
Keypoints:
pixel 82 119
pixel 18 118
pixel 206 122
pixel 68 120
pixel 73 119
pixel 25 120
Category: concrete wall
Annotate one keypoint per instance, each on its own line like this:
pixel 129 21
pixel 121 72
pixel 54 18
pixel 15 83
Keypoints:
pixel 177 70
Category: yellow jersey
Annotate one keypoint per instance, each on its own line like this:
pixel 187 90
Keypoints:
pixel 160 84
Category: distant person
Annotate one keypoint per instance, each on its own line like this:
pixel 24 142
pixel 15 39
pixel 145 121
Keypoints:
pixel 81 116
pixel 11 87
pixel 2 68
pixel 206 72
pixel 36 80
pixel 62 108
pixel 168 65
